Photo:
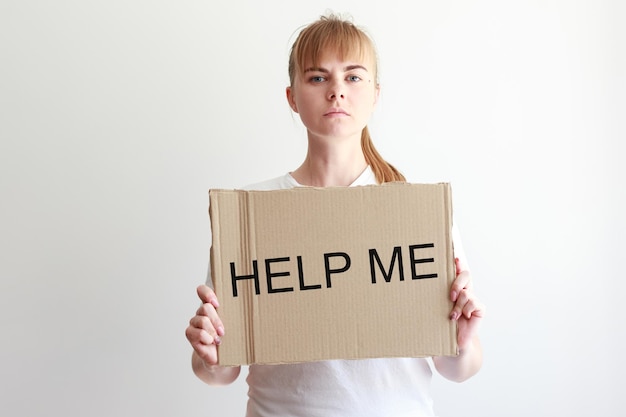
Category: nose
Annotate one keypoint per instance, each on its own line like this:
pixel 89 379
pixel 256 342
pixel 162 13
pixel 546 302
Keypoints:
pixel 335 91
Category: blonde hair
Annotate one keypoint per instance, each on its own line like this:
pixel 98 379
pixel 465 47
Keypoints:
pixel 333 33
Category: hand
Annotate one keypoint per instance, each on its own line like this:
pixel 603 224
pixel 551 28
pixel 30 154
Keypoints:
pixel 467 310
pixel 205 329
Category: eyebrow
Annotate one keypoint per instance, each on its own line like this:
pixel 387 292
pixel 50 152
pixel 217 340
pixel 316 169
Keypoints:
pixel 325 71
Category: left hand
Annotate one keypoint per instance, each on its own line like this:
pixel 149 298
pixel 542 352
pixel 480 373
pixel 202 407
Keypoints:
pixel 467 310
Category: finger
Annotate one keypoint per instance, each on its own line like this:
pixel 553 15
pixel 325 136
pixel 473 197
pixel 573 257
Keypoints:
pixel 199 336
pixel 208 355
pixel 208 325
pixel 208 338
pixel 461 281
pixel 208 310
pixel 206 351
pixel 457 310
pixel 207 295
pixel 469 308
pixel 473 308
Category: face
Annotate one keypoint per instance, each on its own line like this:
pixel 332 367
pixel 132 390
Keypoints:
pixel 335 98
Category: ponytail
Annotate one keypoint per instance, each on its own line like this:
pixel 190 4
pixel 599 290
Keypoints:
pixel 384 171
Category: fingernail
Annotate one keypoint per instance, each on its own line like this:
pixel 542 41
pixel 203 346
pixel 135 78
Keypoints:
pixel 217 340
pixel 454 315
pixel 220 331
pixel 453 295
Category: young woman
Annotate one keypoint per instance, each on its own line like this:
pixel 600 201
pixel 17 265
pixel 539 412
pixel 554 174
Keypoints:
pixel 334 89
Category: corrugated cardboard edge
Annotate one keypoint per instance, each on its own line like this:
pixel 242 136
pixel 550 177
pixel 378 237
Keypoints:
pixel 249 305
pixel 451 265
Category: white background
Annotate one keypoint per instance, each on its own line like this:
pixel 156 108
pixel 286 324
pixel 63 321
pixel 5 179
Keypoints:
pixel 116 117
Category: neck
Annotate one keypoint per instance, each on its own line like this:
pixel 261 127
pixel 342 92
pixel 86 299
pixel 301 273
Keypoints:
pixel 331 163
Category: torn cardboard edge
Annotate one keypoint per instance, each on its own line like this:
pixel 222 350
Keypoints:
pixel 308 274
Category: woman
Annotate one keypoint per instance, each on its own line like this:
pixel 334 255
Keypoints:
pixel 334 89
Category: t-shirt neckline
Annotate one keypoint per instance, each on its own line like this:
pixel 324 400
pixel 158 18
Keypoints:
pixel 363 179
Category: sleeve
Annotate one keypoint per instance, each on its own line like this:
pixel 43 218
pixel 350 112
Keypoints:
pixel 457 245
pixel 209 280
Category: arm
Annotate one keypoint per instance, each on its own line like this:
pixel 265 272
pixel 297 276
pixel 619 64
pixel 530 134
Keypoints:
pixel 205 332
pixel 468 311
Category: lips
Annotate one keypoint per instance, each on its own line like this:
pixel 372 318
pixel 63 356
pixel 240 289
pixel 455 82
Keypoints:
pixel 336 112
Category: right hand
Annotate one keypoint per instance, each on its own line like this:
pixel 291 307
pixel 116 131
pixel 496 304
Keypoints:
pixel 205 330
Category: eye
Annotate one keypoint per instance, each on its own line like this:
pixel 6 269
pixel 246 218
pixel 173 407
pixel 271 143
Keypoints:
pixel 354 78
pixel 317 79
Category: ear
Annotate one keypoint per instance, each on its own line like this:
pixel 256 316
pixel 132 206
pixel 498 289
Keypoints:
pixel 291 99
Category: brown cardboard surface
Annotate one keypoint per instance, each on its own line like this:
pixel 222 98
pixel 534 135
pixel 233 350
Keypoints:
pixel 333 273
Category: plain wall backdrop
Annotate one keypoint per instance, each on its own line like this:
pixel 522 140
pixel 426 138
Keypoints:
pixel 116 117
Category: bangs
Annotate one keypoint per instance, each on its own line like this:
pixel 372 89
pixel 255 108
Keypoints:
pixel 330 35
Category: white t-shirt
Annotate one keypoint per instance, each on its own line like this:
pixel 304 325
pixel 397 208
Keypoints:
pixel 386 387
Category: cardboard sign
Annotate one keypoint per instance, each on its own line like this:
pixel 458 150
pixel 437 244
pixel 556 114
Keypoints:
pixel 310 274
